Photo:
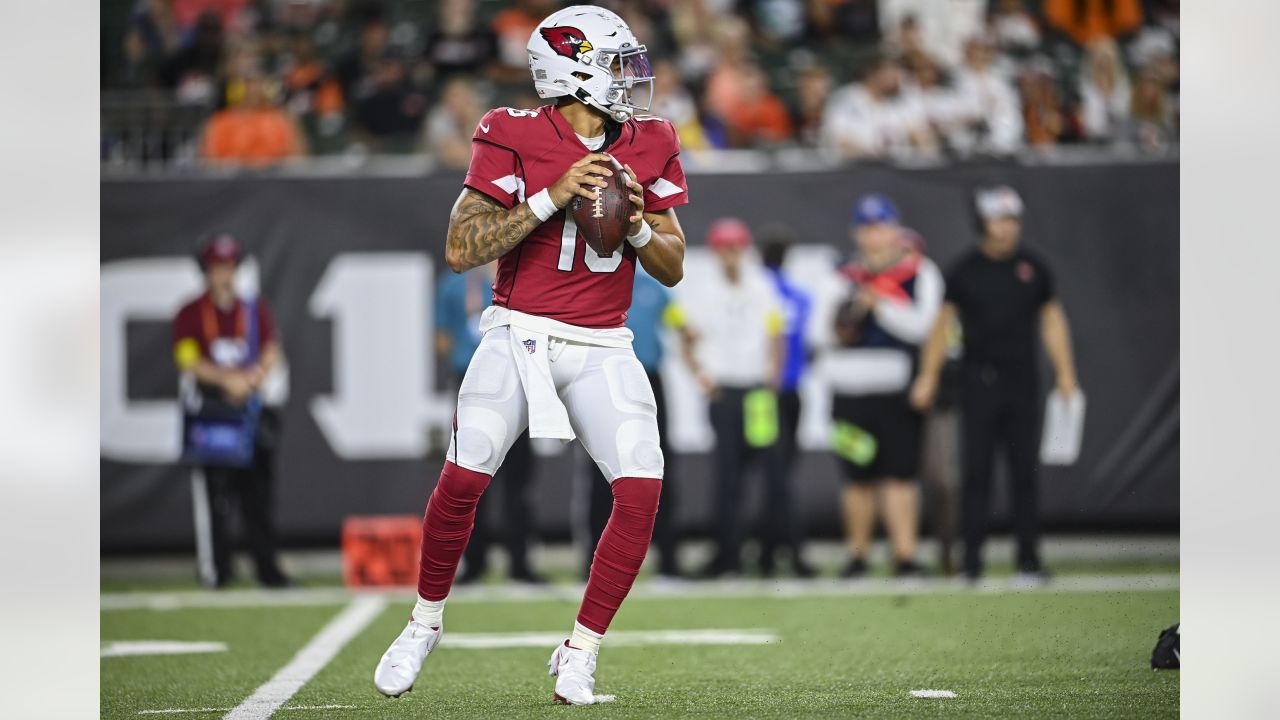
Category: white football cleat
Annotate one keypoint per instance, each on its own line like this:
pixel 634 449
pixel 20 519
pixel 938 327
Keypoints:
pixel 401 663
pixel 575 672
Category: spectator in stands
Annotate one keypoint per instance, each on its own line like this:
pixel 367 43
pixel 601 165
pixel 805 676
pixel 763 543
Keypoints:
pixel 243 58
pixel 852 21
pixel 813 87
pixel 874 119
pixel 228 13
pixel 355 71
pixel 512 28
pixel 756 116
pixel 777 23
pixel 458 44
pixel 389 115
pixel 1155 50
pixel 940 28
pixel 153 36
pixel 694 26
pixel 1152 120
pixel 672 100
pixel 451 124
pixel 309 88
pixel 252 131
pixel 927 88
pixel 1014 28
pixel 1043 114
pixel 1105 95
pixel 987 103
pixel 894 297
pixel 908 43
pixel 732 345
pixel 460 299
pixel 728 77
pixel 192 72
pixel 1088 21
pixel 641 16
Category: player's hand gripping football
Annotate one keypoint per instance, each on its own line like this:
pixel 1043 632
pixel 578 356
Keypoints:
pixel 581 179
pixel 637 199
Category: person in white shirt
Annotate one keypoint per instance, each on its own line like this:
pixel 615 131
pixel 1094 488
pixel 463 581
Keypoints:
pixel 989 105
pixel 927 87
pixel 1104 93
pixel 943 24
pixel 733 346
pixel 874 118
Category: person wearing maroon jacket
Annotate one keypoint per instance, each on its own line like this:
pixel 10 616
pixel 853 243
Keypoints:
pixel 556 355
pixel 224 347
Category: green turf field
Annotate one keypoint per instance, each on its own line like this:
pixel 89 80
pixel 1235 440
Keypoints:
pixel 1032 654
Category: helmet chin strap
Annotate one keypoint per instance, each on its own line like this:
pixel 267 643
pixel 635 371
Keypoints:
pixel 618 114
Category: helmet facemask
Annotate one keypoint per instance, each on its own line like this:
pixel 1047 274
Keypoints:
pixel 631 88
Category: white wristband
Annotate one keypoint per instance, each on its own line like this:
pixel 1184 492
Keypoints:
pixel 542 206
pixel 641 238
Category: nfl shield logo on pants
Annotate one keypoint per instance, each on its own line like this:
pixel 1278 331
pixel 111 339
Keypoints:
pixel 530 345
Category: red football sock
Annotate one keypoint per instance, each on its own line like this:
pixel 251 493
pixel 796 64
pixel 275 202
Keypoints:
pixel 621 550
pixel 451 513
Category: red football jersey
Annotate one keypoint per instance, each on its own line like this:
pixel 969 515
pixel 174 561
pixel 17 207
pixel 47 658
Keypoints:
pixel 550 273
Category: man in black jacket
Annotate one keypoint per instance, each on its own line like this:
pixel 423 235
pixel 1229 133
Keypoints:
pixel 1001 294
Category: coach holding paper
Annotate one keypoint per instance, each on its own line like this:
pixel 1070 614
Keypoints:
pixel 1001 293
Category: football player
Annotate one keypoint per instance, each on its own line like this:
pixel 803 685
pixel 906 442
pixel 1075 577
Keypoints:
pixel 556 357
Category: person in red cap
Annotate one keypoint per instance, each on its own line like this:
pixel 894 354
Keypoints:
pixel 225 346
pixel 733 347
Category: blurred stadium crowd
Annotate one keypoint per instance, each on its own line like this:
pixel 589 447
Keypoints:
pixel 254 82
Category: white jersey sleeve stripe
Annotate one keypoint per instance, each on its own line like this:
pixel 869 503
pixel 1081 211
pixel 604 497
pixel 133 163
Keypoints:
pixel 663 187
pixel 512 184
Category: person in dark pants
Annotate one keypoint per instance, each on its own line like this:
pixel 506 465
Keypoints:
pixel 781 524
pixel 1001 294
pixel 652 310
pixel 894 295
pixel 459 301
pixel 733 347
pixel 225 346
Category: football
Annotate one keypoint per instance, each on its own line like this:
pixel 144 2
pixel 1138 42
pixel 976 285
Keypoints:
pixel 602 222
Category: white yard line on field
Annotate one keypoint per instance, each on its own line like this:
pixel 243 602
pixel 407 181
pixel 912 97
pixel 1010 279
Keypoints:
pixel 126 648
pixel 617 638
pixel 932 694
pixel 181 711
pixel 677 590
pixel 308 661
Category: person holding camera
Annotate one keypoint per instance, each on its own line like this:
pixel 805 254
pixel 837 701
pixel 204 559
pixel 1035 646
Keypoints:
pixel 894 294
pixel 225 346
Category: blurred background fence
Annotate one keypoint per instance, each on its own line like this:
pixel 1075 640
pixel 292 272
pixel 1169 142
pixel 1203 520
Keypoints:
pixel 349 265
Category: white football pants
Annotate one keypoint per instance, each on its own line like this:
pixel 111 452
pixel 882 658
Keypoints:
pixel 608 396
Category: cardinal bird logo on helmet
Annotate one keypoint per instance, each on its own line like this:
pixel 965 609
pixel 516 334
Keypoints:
pixel 567 41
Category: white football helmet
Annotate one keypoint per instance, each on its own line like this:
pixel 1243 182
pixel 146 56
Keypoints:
pixel 597 43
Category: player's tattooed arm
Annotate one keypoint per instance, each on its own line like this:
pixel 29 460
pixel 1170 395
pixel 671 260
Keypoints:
pixel 663 256
pixel 482 230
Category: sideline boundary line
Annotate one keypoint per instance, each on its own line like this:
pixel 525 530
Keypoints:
pixel 298 597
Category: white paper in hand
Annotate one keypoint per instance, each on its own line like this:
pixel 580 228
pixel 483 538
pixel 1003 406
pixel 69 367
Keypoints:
pixel 1063 428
